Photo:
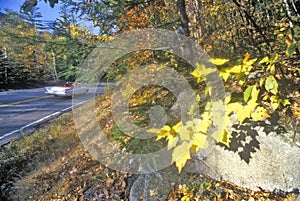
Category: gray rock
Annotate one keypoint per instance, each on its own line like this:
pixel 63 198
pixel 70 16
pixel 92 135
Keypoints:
pixel 276 165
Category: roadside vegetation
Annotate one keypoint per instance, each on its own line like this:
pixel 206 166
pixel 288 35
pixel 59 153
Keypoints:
pixel 52 164
pixel 254 46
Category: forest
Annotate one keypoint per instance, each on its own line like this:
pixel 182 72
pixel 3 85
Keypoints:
pixel 253 48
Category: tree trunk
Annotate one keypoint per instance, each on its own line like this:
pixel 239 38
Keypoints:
pixel 183 17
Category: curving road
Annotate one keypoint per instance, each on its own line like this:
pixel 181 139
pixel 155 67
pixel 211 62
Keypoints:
pixel 22 110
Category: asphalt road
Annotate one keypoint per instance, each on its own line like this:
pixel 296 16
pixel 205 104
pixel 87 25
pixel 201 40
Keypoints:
pixel 22 110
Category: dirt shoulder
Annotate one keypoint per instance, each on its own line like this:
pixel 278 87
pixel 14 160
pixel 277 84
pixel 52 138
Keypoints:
pixel 52 164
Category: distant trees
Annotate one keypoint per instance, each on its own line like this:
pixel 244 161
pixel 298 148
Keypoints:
pixel 23 58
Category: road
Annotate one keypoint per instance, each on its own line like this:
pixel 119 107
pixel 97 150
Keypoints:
pixel 22 110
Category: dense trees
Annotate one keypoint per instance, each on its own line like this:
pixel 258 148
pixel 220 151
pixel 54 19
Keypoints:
pixel 255 46
pixel 24 58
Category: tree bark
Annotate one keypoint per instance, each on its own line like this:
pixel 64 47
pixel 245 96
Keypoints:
pixel 183 17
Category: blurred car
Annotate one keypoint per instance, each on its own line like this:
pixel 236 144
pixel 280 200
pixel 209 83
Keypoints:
pixel 66 91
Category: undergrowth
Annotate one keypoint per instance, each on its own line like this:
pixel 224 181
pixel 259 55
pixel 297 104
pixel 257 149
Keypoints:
pixel 52 164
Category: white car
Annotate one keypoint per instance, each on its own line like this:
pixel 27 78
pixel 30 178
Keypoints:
pixel 66 91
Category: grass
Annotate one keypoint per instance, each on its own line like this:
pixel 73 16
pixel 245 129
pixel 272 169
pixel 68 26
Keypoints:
pixel 52 164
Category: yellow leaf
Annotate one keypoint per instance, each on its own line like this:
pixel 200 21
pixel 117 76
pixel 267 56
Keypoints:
pixel 196 73
pixel 218 135
pixel 259 114
pixel 241 81
pixel 201 72
pixel 185 132
pixel 286 102
pixel 280 36
pixel 236 69
pixel 250 62
pixel 233 107
pixel 276 32
pixel 275 105
pixel 177 126
pixel 246 58
pixel 181 154
pixel 198 98
pixel 282 29
pixel 202 125
pixel 242 115
pixel 265 60
pixel 218 61
pixel 225 75
pixel 225 138
pixel 199 141
pixel 164 132
pixel 227 99
pixel 185 198
pixel 254 94
pixel 246 111
pixel 172 141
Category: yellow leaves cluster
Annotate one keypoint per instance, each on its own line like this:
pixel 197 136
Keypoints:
pixel 188 194
pixel 192 135
pixel 201 72
pixel 250 110
pixel 77 31
pixel 184 137
pixel 239 71
pixel 221 115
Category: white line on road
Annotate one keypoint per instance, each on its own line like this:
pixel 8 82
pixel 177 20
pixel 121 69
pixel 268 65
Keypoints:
pixel 55 114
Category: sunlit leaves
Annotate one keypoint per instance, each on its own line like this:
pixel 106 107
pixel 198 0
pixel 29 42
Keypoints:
pixel 225 74
pixel 265 60
pixel 254 94
pixel 218 61
pixel 201 72
pixel 165 131
pixel 275 102
pixel 181 154
pixel 259 114
pixel 199 141
pixel 271 85
pixel 247 93
pixel 222 134
pixel 246 111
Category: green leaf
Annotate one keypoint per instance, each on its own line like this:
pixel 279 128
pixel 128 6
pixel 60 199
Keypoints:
pixel 291 49
pixel 271 85
pixel 247 93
